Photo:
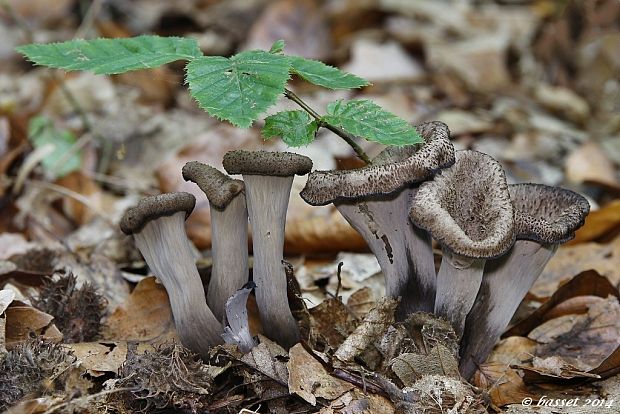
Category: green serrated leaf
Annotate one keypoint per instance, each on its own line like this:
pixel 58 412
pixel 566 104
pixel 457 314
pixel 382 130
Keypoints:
pixel 110 56
pixel 364 118
pixel 240 88
pixel 296 128
pixel 41 131
pixel 324 75
pixel 277 47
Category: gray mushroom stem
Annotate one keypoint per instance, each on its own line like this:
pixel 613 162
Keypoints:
pixel 229 232
pixel 229 246
pixel 458 281
pixel 505 283
pixel 167 251
pixel 404 252
pixel 268 178
pixel 267 199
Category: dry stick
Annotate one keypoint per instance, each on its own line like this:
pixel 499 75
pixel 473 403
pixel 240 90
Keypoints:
pixel 71 194
pixel 89 18
pixel 349 139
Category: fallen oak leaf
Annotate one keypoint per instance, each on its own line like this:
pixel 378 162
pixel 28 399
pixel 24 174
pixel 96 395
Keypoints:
pixel 504 384
pixel 599 223
pixel 310 380
pixel 588 283
pixel 550 369
pixel 269 359
pixel 23 319
pixel 583 340
pixel 144 317
pixel 99 358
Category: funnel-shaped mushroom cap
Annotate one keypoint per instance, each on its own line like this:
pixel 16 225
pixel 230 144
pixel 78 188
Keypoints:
pixel 547 215
pixel 391 170
pixel 467 207
pixel 154 207
pixel 277 164
pixel 219 188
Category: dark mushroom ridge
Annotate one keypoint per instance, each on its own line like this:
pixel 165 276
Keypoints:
pixel 392 170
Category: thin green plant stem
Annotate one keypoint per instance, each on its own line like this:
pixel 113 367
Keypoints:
pixel 348 138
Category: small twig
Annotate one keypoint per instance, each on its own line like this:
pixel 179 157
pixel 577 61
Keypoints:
pixel 71 194
pixel 349 139
pixel 89 18
pixel 17 19
pixel 359 381
pixel 338 275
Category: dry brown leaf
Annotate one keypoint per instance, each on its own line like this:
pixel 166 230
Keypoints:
pixel 582 340
pixel 372 328
pixel 80 184
pixel 573 306
pixel 99 358
pixel 358 402
pixel 588 283
pixel 300 22
pixel 145 316
pixel 330 234
pixel 361 302
pixel 410 367
pixel 44 10
pixel 503 384
pixel 513 350
pixel 550 369
pixel 479 61
pixel 599 223
pixel 590 164
pixel 309 379
pixel 6 297
pixel 22 320
pixel 157 85
pixel 563 101
pixel 268 358
pixel 330 323
pixel 387 62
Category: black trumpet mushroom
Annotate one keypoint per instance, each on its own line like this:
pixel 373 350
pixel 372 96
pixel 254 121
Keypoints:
pixel 467 209
pixel 545 217
pixel 157 224
pixel 229 232
pixel 375 201
pixel 268 177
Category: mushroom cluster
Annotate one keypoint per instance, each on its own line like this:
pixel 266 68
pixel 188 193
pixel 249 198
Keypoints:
pixel 495 238
pixel 157 224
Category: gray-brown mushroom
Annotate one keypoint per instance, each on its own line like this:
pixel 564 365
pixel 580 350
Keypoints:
pixel 268 177
pixel 375 201
pixel 158 227
pixel 545 217
pixel 467 209
pixel 229 232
